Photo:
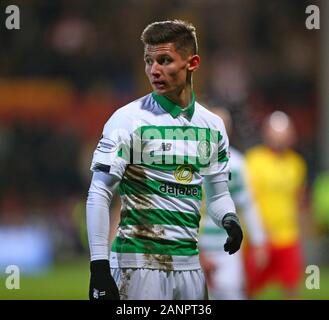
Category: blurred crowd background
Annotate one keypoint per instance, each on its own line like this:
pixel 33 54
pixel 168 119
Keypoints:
pixel 73 63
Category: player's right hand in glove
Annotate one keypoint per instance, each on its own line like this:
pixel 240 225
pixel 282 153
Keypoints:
pixel 102 285
pixel 232 226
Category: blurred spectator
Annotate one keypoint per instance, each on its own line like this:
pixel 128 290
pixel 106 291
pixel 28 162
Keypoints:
pixel 277 178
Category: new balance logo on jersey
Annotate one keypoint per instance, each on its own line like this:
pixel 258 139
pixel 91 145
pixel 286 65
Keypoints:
pixel 165 146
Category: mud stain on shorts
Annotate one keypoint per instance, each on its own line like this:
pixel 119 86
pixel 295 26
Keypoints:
pixel 124 283
pixel 158 261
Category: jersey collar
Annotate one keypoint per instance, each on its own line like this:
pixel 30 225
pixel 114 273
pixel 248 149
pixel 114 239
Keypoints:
pixel 174 109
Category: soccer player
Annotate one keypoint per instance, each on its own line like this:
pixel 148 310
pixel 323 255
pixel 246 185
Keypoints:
pixel 225 273
pixel 278 175
pixel 159 149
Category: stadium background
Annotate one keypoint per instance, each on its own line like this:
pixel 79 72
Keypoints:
pixel 73 63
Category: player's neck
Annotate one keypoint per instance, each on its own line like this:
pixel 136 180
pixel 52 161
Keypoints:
pixel 278 151
pixel 182 98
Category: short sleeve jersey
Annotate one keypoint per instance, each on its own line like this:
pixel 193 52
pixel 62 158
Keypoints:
pixel 161 153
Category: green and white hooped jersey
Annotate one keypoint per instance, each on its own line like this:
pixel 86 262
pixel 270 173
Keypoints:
pixel 161 153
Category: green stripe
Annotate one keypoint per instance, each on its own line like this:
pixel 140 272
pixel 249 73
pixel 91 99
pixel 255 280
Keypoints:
pixel 163 188
pixel 159 216
pixel 168 167
pixel 170 162
pixel 222 156
pixel 167 162
pixel 154 246
pixel 163 162
pixel 179 133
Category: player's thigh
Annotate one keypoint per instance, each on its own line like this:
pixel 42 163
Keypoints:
pixel 144 284
pixel 190 285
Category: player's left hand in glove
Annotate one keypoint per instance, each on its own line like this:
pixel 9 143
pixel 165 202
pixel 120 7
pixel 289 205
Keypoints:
pixel 232 226
pixel 102 285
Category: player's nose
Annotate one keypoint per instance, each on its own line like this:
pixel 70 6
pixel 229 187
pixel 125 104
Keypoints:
pixel 155 69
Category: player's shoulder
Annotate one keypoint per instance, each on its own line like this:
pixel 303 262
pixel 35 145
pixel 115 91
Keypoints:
pixel 294 154
pixel 255 154
pixel 255 150
pixel 297 158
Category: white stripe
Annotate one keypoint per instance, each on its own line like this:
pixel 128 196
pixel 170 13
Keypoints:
pixel 160 202
pixel 153 261
pixel 158 231
pixel 162 175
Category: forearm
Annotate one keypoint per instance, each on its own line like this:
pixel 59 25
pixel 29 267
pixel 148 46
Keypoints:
pixel 221 208
pixel 97 214
pixel 219 201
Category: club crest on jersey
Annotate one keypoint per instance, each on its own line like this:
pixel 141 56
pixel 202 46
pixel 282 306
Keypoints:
pixel 204 149
pixel 106 145
pixel 184 173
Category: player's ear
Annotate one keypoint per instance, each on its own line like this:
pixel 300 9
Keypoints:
pixel 194 63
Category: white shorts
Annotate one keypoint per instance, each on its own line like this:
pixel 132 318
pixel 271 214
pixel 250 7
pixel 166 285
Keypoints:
pixel 154 284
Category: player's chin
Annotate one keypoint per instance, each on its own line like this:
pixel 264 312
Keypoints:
pixel 160 90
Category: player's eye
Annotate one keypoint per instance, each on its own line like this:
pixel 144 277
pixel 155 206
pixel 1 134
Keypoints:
pixel 165 60
pixel 148 61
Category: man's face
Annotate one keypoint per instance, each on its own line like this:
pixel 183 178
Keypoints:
pixel 166 68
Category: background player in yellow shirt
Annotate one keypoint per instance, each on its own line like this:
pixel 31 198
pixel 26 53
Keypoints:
pixel 277 178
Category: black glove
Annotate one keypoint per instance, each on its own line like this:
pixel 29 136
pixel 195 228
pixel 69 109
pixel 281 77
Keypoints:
pixel 102 285
pixel 232 226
